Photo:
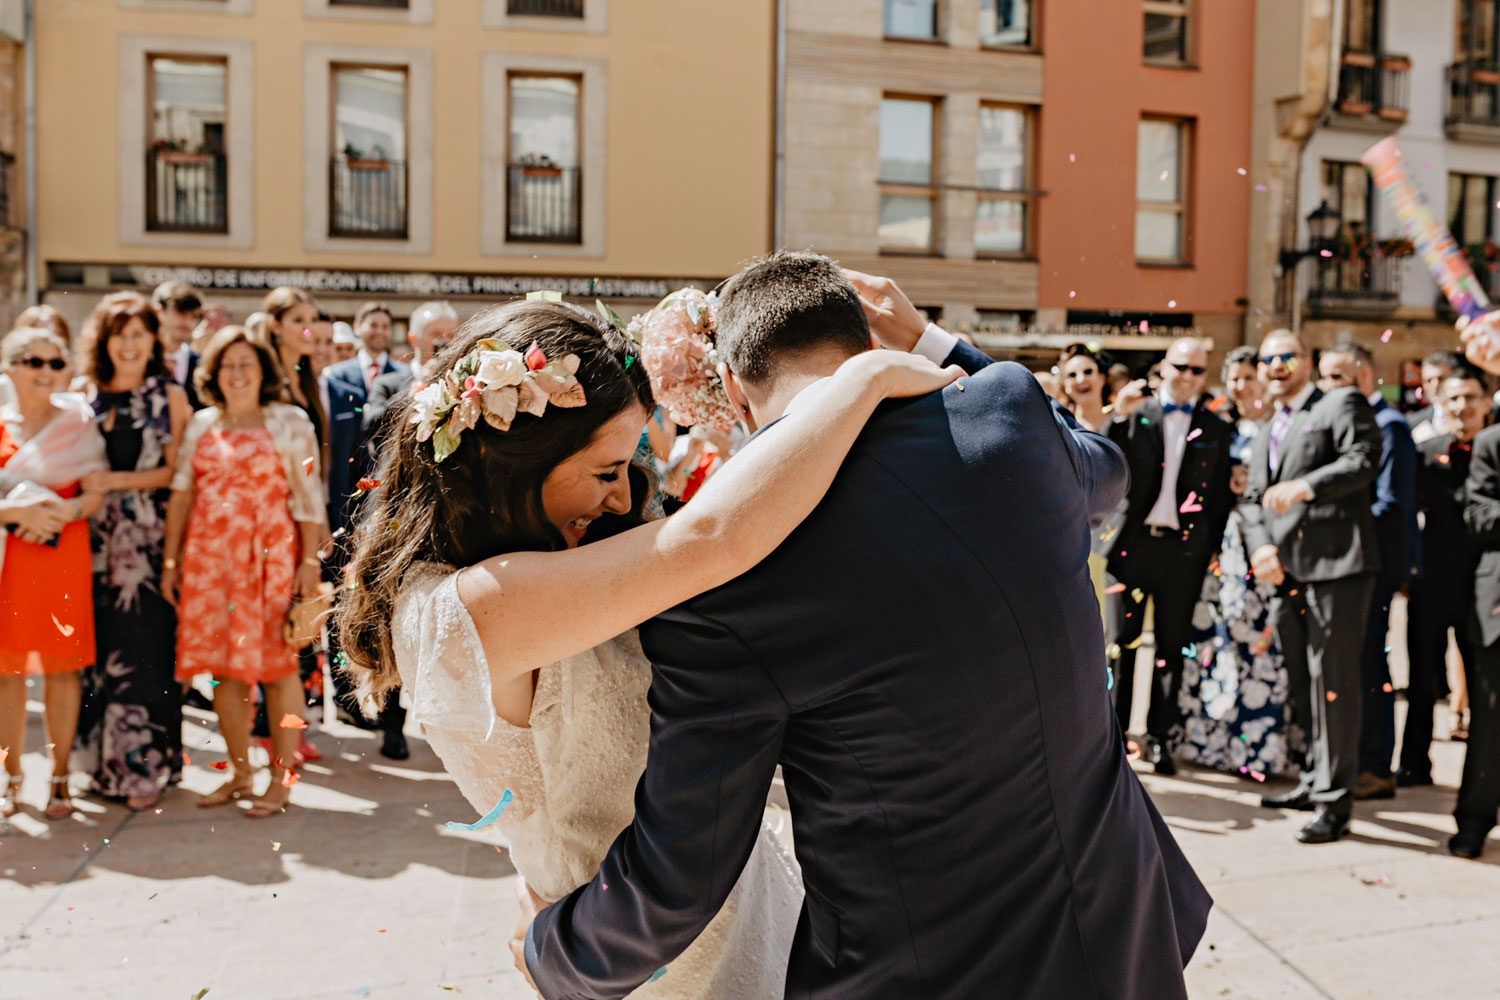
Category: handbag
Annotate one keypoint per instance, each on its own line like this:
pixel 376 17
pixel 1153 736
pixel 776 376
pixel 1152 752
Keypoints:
pixel 304 620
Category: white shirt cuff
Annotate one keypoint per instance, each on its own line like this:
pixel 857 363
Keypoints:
pixel 935 344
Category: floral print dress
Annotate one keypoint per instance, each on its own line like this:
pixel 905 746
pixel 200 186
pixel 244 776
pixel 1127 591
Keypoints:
pixel 130 726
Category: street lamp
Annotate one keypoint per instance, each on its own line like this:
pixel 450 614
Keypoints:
pixel 1323 225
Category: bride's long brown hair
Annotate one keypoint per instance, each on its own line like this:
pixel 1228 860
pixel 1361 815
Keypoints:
pixel 486 498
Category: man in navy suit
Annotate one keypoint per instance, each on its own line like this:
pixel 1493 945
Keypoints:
pixel 1395 512
pixel 349 460
pixel 178 310
pixel 924 659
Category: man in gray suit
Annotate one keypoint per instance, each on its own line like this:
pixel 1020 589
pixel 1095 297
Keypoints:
pixel 1310 533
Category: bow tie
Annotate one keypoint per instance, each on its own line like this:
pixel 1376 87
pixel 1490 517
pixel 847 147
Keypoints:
pixel 1457 447
pixel 1167 409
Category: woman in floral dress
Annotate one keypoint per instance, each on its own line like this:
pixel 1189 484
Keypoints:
pixel 245 519
pixel 1234 685
pixel 130 726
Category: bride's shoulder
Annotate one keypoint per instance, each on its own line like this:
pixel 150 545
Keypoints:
pixel 421 585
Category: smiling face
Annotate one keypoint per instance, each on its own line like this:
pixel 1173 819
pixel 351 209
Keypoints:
pixel 1283 367
pixel 240 377
pixel 1082 378
pixel 1466 404
pixel 289 329
pixel 1184 370
pixel 130 350
pixel 320 346
pixel 34 384
pixel 374 332
pixel 1245 388
pixel 594 481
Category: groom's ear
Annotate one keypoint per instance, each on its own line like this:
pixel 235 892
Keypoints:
pixel 736 394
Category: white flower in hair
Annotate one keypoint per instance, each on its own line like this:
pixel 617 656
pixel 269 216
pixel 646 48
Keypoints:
pixel 427 404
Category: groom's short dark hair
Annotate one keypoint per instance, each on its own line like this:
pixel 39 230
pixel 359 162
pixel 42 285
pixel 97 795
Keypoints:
pixel 785 303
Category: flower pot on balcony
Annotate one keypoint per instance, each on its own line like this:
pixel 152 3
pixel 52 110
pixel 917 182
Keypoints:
pixel 1349 106
pixel 1354 58
pixel 368 164
pixel 1393 114
pixel 180 156
pixel 553 172
pixel 1485 75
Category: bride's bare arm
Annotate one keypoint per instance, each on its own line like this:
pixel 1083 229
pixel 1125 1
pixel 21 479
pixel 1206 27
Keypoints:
pixel 535 608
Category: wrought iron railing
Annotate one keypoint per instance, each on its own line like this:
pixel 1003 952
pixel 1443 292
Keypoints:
pixel 7 189
pixel 1473 95
pixel 547 8
pixel 1372 84
pixel 186 192
pixel 544 204
pixel 1364 280
pixel 367 198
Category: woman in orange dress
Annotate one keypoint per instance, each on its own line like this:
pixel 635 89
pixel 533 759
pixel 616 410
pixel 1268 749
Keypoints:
pixel 48 444
pixel 243 526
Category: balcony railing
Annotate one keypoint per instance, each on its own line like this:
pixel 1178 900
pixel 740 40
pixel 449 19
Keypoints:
pixel 546 8
pixel 1361 284
pixel 7 190
pixel 367 198
pixel 1485 260
pixel 186 192
pixel 1378 85
pixel 544 204
pixel 398 4
pixel 1473 95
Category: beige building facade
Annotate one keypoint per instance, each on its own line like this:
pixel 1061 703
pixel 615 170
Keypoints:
pixel 399 149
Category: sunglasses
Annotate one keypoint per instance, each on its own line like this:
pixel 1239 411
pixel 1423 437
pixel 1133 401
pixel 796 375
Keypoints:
pixel 56 364
pixel 1285 357
pixel 1195 369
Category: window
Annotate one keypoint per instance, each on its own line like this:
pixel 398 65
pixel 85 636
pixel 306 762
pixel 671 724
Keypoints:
pixel 1005 22
pixel 1161 187
pixel 543 180
pixel 186 169
pixel 1002 221
pixel 1471 208
pixel 545 8
pixel 1166 35
pixel 1346 189
pixel 1476 31
pixel 911 18
pixel 367 174
pixel 908 173
pixel 1361 25
pixel 399 4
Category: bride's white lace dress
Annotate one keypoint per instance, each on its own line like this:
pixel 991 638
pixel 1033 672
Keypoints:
pixel 573 775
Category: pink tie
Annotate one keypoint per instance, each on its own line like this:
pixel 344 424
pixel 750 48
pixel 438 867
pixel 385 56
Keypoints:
pixel 374 371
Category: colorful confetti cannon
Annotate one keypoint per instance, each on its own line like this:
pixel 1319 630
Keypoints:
pixel 1434 242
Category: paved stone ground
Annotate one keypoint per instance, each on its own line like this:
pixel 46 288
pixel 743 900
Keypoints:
pixel 360 890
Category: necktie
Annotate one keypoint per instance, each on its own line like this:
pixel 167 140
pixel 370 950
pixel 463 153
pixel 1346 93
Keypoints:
pixel 1457 447
pixel 1278 434
pixel 1168 409
pixel 374 371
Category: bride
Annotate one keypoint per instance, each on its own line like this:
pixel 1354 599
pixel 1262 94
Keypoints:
pixel 473 587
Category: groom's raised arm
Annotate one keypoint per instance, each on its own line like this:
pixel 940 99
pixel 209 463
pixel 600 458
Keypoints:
pixel 716 729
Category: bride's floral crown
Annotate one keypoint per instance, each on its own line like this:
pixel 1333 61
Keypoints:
pixel 494 382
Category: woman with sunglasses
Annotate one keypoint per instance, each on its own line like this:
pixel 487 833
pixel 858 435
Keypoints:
pixel 131 725
pixel 48 447
pixel 1084 385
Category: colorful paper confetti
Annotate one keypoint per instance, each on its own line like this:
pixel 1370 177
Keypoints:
pixel 307 465
pixel 1191 504
pixel 290 721
pixel 66 630
pixel 488 818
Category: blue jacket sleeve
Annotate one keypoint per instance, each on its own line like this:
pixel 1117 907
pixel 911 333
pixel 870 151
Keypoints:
pixel 717 723
pixel 968 357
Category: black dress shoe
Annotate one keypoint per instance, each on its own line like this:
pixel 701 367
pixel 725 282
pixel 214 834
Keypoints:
pixel 1411 779
pixel 1467 843
pixel 1326 827
pixel 355 719
pixel 1159 757
pixel 1295 799
pixel 394 747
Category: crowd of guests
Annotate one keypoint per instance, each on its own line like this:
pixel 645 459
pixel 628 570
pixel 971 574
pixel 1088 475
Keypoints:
pixel 1269 526
pixel 176 494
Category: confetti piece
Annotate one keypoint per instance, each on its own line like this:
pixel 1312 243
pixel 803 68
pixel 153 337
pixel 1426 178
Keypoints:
pixel 1260 187
pixel 1195 432
pixel 539 296
pixel 1160 664
pixel 381 931
pixel 366 484
pixel 1109 679
pixel 1145 326
pixel 1190 650
pixel 1258 775
pixel 289 778
pixel 658 974
pixel 1138 595
pixel 1119 588
pixel 66 630
pixel 1241 171
pixel 186 760
pixel 1072 295
pixel 1074 159
pixel 1385 338
pixel 1164 174
pixel 488 818
pixel 200 994
pixel 275 845
pixel 960 386
pixel 1332 696
pixel 1386 687
pixel 220 765
pixel 629 360
pixel 1172 304
pixel 290 721
pixel 307 465
pixel 1191 504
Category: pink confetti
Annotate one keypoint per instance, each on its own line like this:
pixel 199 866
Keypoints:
pixel 66 630
pixel 1074 159
pixel 1325 253
pixel 1257 775
pixel 1195 432
pixel 1172 304
pixel 1191 504
pixel 1072 295
pixel 1163 175
pixel 1385 338
pixel 1145 326
pixel 1260 187
pixel 1241 171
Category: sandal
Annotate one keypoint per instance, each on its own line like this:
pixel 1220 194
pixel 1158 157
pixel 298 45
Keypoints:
pixel 230 791
pixel 298 757
pixel 11 800
pixel 140 803
pixel 59 806
pixel 263 806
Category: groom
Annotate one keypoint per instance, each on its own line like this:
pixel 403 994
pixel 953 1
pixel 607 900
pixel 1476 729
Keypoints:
pixel 924 659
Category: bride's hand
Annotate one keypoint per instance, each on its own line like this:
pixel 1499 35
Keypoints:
pixel 897 373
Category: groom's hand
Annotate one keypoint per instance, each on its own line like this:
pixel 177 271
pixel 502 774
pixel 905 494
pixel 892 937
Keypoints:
pixel 531 905
pixel 893 320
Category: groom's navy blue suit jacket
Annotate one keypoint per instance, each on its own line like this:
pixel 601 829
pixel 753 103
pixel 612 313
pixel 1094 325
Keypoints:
pixel 924 658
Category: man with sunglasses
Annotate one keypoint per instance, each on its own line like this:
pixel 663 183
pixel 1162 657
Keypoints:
pixel 1311 535
pixel 1171 522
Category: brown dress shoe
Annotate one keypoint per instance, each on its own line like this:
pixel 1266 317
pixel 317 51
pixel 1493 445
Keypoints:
pixel 1372 786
